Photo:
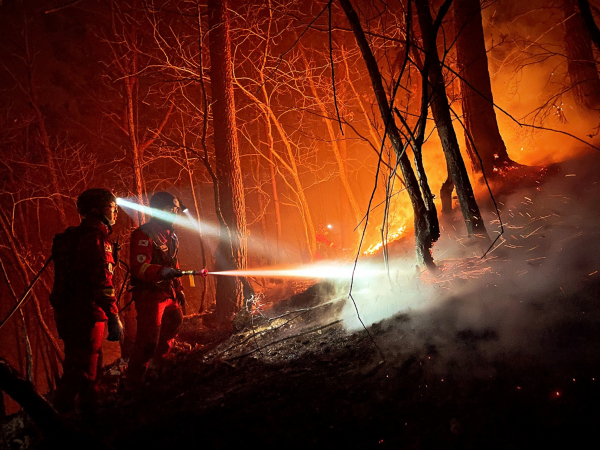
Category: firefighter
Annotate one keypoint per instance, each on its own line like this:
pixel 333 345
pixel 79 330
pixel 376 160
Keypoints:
pixel 325 248
pixel 157 289
pixel 83 296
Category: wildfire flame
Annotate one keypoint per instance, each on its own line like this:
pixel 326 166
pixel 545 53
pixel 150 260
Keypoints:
pixel 391 238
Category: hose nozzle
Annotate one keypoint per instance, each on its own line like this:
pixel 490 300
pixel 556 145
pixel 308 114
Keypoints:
pixel 203 273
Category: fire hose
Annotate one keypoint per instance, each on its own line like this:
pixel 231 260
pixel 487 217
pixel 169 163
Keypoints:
pixel 26 293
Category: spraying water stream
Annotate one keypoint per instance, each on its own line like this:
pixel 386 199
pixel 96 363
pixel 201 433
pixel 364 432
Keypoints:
pixel 319 271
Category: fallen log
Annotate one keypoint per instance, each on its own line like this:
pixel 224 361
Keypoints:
pixel 53 426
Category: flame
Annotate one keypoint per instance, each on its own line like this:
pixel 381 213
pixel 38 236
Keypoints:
pixel 391 238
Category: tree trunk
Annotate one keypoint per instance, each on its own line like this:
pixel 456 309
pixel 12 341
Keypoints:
pixel 231 251
pixel 443 120
pixel 446 192
pixel 581 66
pixel 476 91
pixel 423 238
pixel 590 24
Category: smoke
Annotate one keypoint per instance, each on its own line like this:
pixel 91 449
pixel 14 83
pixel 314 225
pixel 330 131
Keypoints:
pixel 534 293
pixel 528 67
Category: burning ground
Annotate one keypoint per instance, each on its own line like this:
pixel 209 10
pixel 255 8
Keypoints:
pixel 498 351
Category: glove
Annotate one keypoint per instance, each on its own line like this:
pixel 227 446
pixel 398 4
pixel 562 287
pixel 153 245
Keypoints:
pixel 204 273
pixel 115 328
pixel 168 273
pixel 180 298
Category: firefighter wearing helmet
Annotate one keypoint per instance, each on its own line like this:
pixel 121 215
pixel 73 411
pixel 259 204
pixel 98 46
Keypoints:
pixel 325 248
pixel 83 296
pixel 157 289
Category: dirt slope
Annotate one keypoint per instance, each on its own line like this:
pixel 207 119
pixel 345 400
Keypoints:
pixel 500 352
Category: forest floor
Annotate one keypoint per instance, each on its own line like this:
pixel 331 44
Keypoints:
pixel 499 352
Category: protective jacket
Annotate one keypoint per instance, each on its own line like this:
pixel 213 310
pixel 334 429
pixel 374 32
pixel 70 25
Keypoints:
pixel 153 247
pixel 83 297
pixel 84 262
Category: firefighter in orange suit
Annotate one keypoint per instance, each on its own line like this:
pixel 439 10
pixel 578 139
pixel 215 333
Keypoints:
pixel 157 288
pixel 83 296
pixel 325 248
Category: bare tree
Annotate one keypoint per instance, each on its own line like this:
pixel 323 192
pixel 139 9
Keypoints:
pixel 424 236
pixel 231 251
pixel 441 114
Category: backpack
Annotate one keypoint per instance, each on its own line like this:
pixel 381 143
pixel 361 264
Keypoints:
pixel 64 248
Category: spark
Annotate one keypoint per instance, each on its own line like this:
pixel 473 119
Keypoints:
pixel 531 234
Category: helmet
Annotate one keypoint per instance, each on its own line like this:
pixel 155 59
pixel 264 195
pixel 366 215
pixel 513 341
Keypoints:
pixel 94 199
pixel 163 200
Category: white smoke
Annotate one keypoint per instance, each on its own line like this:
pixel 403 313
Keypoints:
pixel 538 279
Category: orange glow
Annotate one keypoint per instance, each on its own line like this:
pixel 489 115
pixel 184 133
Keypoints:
pixel 392 237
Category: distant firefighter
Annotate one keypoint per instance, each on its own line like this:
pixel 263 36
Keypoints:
pixel 325 248
pixel 157 289
pixel 83 296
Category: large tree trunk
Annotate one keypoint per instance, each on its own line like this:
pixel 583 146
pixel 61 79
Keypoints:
pixel 231 251
pixel 443 121
pixel 582 69
pixel 476 91
pixel 423 237
pixel 588 20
